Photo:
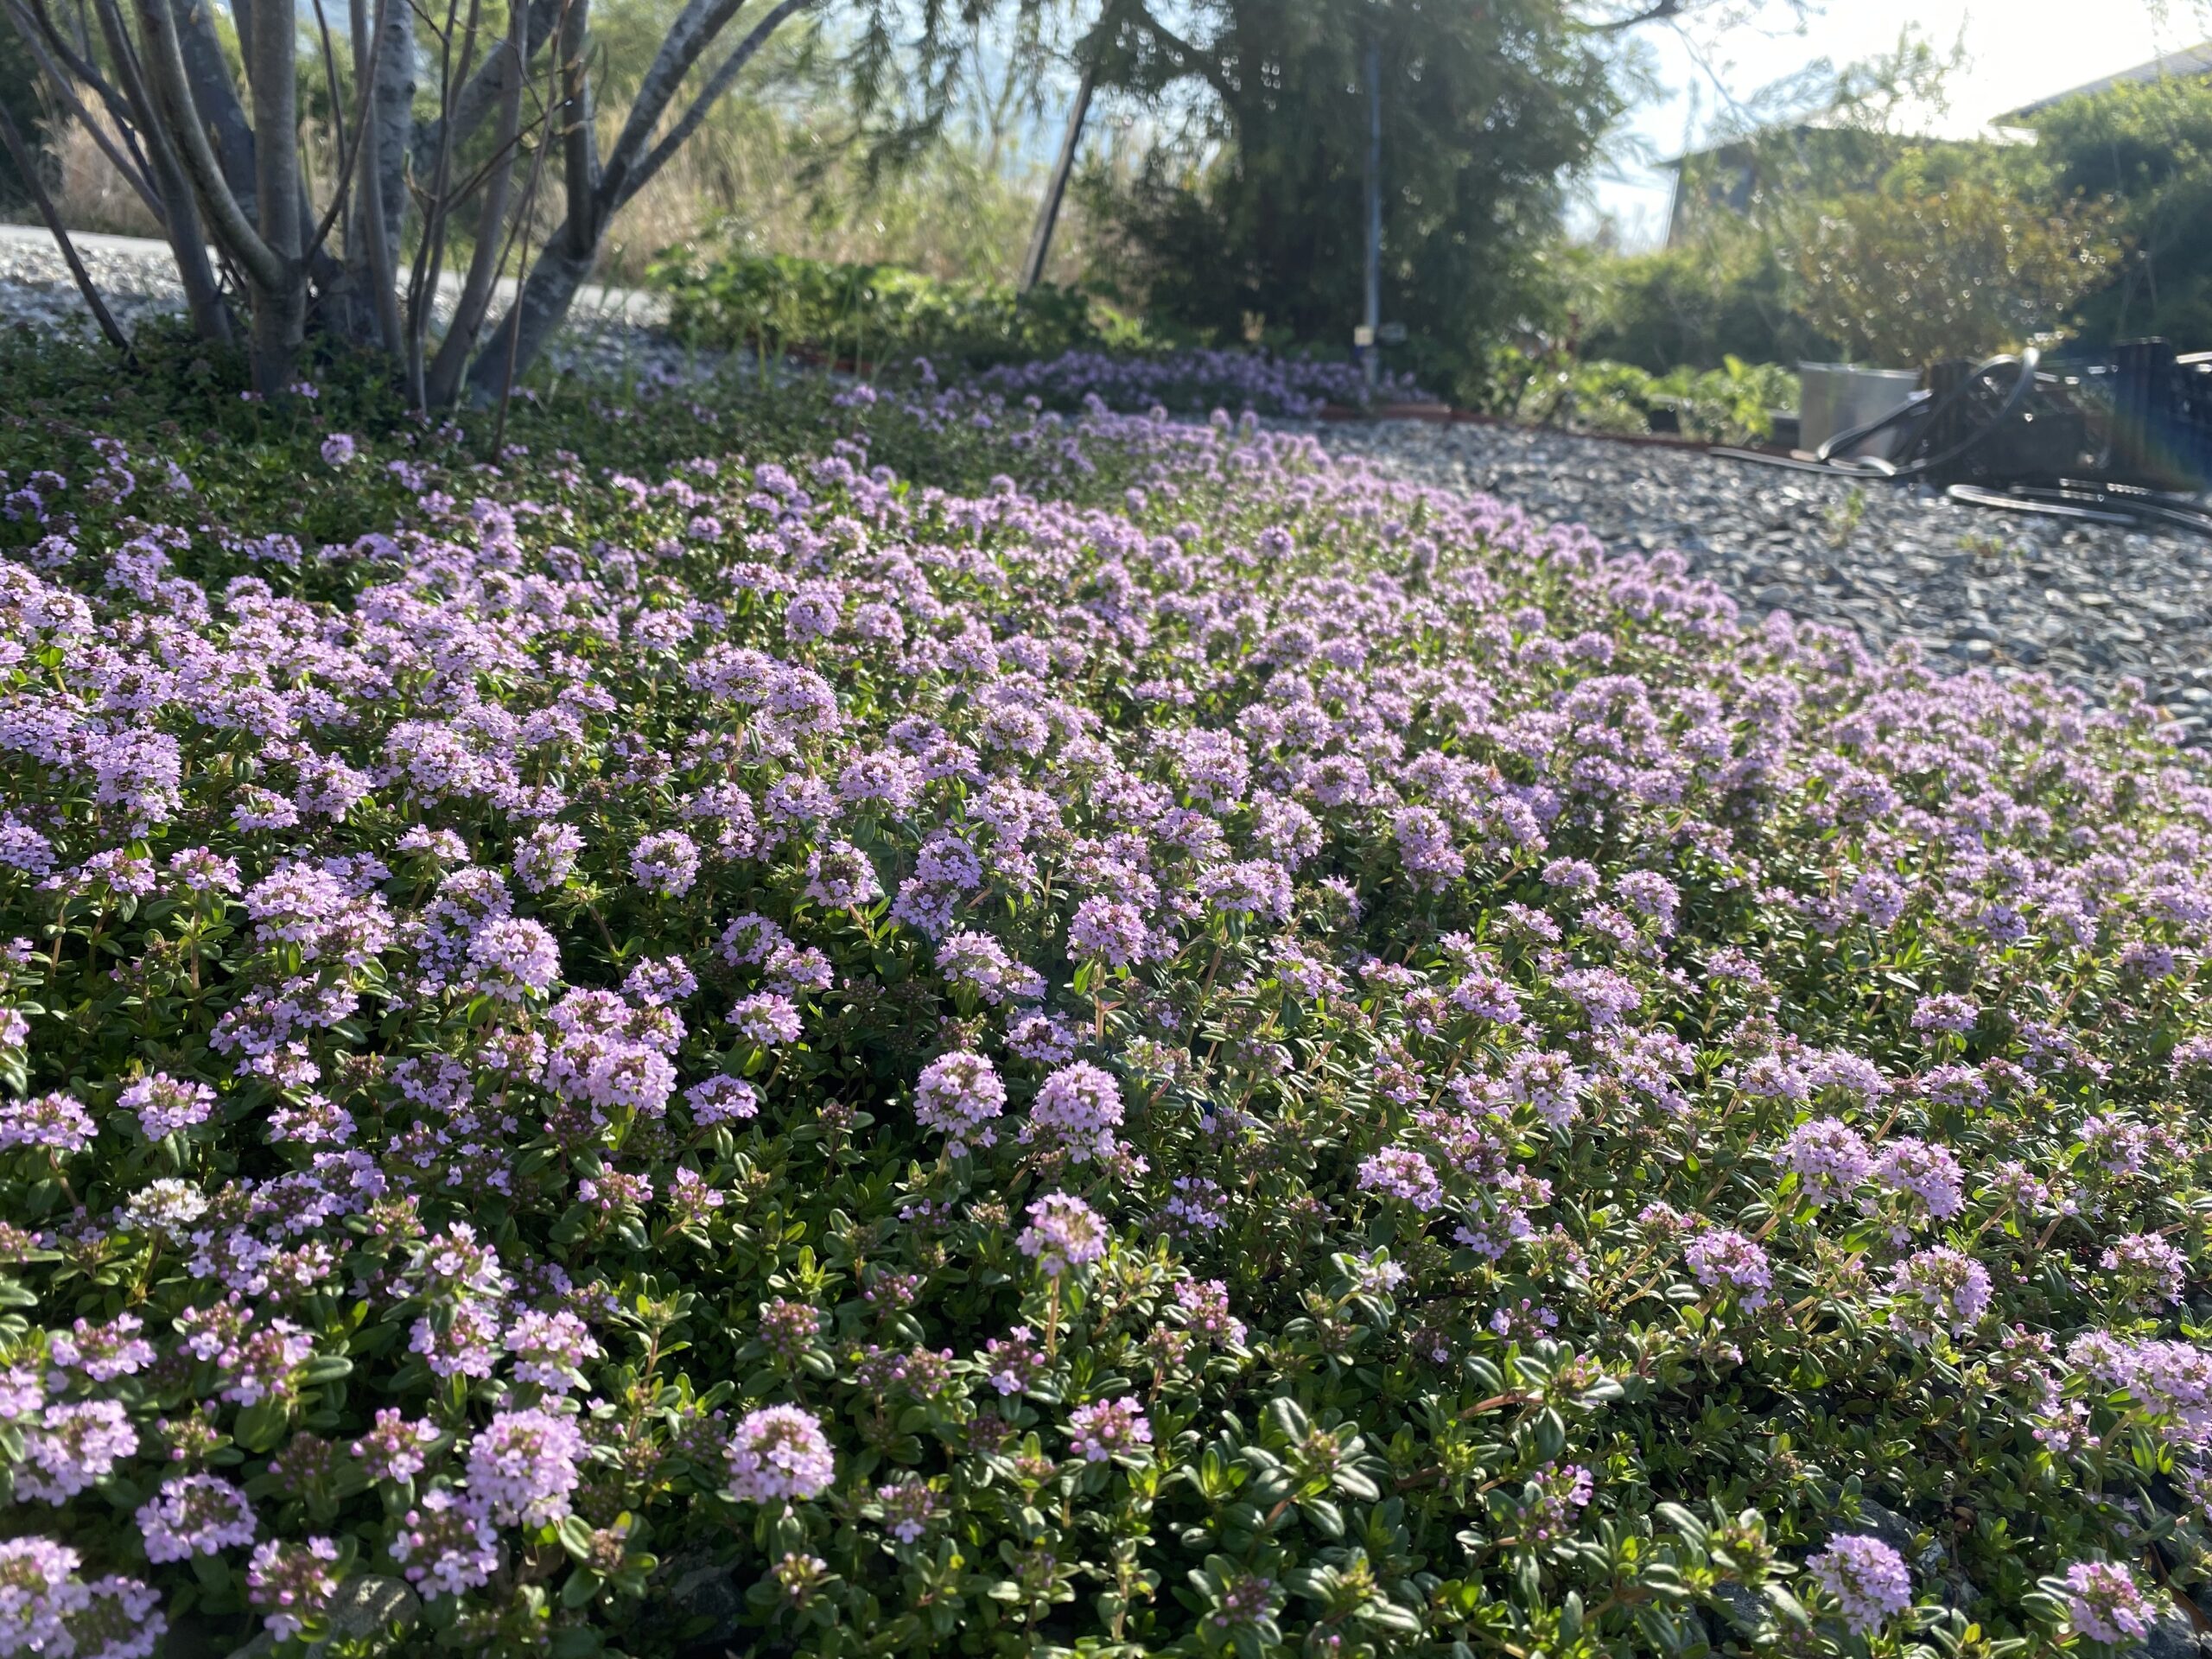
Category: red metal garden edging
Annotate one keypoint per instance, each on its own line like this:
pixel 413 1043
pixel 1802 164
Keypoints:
pixel 1444 414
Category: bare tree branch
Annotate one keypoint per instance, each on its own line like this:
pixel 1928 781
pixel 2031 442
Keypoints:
pixel 375 254
pixel 217 100
pixel 64 84
pixel 429 256
pixel 82 71
pixel 203 296
pixel 635 178
pixel 330 79
pixel 696 29
pixel 578 137
pixel 279 306
pixel 340 192
pixel 476 298
pixel 27 164
pixel 480 94
pixel 1658 13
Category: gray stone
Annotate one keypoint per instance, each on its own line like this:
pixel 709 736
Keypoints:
pixel 2172 1637
pixel 366 1607
pixel 692 1585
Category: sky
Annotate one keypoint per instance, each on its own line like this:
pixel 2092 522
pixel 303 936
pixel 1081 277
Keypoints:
pixel 2015 51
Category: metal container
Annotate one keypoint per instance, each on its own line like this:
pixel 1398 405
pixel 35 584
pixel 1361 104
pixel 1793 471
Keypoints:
pixel 1838 396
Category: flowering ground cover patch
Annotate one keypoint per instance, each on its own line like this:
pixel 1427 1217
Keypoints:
pixel 1182 1049
pixel 1193 380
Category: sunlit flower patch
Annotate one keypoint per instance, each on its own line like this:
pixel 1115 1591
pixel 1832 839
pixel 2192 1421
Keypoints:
pixel 773 1056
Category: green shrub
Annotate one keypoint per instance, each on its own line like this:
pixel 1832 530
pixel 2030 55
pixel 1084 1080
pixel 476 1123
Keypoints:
pixel 1910 275
pixel 1730 404
pixel 1699 305
pixel 878 313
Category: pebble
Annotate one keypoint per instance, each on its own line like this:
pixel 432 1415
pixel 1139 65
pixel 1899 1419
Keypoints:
pixel 2086 604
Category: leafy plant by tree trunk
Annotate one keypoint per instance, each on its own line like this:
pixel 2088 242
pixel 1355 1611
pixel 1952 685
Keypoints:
pixel 509 123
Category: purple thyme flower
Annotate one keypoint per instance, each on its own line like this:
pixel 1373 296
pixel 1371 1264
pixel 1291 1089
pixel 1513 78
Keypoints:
pixel 958 1095
pixel 1722 1259
pixel 2104 1605
pixel 1064 1233
pixel 1109 1428
pixel 779 1452
pixel 1866 1577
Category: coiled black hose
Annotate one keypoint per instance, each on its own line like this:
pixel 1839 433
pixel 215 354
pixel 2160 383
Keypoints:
pixel 2092 502
pixel 1930 408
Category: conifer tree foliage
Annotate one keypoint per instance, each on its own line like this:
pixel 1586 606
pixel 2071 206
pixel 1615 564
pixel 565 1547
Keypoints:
pixel 1258 214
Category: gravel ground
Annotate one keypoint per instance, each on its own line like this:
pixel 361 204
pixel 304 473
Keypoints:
pixel 2085 603
pixel 611 330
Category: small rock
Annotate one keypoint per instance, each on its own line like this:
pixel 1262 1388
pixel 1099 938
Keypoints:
pixel 2171 1636
pixel 366 1608
pixel 697 1599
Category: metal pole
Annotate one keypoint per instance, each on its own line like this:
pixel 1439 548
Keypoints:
pixel 1374 307
pixel 1056 187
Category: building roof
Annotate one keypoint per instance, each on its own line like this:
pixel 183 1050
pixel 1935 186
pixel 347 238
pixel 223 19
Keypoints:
pixel 2194 61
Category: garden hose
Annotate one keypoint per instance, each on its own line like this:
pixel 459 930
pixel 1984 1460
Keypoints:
pixel 2085 501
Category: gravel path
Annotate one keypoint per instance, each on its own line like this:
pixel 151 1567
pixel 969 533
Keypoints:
pixel 2085 603
pixel 611 330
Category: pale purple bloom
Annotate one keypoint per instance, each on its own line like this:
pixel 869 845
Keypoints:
pixel 1940 1288
pixel 446 1545
pixel 2103 1602
pixel 666 864
pixel 1925 1174
pixel 1076 1112
pixel 1397 1173
pixel 958 1095
pixel 1064 1233
pixel 291 1583
pixel 395 1447
pixel 767 1018
pixel 840 876
pixel 1866 1577
pixel 1828 1157
pixel 779 1452
pixel 1723 1260
pixel 51 1123
pixel 523 1466
pixel 722 1100
pixel 1109 1428
pixel 195 1514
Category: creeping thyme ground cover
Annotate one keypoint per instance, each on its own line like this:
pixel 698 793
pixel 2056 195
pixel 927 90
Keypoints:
pixel 1129 1042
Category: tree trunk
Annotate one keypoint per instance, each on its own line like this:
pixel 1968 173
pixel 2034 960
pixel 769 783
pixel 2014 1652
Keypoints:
pixel 1056 187
pixel 369 252
pixel 216 99
pixel 279 308
pixel 394 118
pixel 443 379
pixel 537 315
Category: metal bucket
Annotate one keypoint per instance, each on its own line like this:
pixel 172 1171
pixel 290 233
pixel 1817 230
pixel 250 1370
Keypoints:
pixel 1838 396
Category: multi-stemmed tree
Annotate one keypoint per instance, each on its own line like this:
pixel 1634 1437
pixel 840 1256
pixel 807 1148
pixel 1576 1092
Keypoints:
pixel 451 129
